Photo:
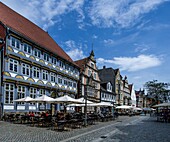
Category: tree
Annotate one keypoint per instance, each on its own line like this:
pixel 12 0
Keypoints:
pixel 158 90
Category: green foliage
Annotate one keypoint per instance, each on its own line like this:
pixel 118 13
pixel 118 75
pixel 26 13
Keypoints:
pixel 158 90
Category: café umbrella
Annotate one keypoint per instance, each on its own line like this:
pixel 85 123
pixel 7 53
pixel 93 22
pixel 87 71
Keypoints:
pixel 43 99
pixel 25 99
pixel 162 105
pixel 65 99
pixel 123 107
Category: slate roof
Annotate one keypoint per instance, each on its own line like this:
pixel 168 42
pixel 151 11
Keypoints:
pixel 30 31
pixel 106 75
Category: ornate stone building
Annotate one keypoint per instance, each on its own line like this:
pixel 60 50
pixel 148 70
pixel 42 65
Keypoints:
pixel 126 92
pixel 89 79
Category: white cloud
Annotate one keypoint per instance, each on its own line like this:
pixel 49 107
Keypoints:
pixel 141 47
pixel 76 54
pixel 133 63
pixel 74 50
pixel 125 13
pixel 109 41
pixel 46 13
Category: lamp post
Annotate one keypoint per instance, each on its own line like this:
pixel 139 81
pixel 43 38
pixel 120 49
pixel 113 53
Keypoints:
pixel 85 108
pixel 1 66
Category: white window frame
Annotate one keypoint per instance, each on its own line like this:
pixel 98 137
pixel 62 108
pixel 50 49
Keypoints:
pixel 27 48
pixel 53 60
pixel 16 42
pixel 60 63
pixel 42 92
pixel 33 93
pixel 13 65
pixel 37 53
pixel 21 91
pixel 65 82
pixel 25 69
pixel 74 84
pixel 60 80
pixel 53 77
pixel 46 57
pixel 9 93
pixel 35 72
pixel 44 74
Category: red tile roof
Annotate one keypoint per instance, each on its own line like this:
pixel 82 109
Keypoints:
pixel 29 30
pixel 81 63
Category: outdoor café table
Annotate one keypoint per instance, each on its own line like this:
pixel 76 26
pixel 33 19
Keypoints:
pixel 61 124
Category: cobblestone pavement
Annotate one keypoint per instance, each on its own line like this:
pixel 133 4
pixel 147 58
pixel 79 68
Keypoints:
pixel 123 129
pixel 147 130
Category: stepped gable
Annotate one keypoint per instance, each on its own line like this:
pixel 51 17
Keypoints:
pixel 29 30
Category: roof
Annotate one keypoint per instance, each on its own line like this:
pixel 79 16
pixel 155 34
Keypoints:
pixel 29 30
pixel 81 63
pixel 116 71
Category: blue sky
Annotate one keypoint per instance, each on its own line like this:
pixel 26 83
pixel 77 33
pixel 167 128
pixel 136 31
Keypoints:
pixel 132 35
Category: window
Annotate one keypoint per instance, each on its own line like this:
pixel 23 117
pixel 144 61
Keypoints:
pixel 92 65
pixel 67 67
pixel 36 72
pixel 9 93
pixel 70 83
pixel 37 53
pixel 13 65
pixel 53 77
pixel 102 95
pixel 60 80
pixel 25 69
pixel 42 92
pixel 45 74
pixel 15 43
pixel 53 60
pixel 94 75
pixel 21 91
pixel 27 48
pixel 65 82
pixel 61 64
pixel 46 57
pixel 89 72
pixel 33 93
pixel 74 85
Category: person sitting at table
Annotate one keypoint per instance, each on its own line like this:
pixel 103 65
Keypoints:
pixel 31 114
pixel 47 113
pixel 43 114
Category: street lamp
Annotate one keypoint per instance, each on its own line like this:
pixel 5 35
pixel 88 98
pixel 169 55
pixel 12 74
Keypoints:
pixel 1 43
pixel 85 108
